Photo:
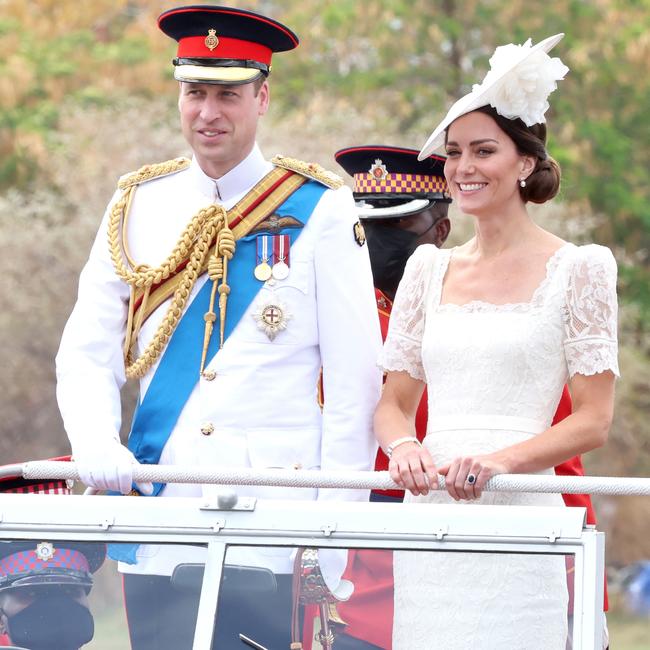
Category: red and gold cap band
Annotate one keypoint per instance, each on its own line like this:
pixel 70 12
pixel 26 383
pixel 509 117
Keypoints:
pixel 194 47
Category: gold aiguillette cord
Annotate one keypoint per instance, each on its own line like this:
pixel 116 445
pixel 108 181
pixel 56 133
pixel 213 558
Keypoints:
pixel 218 270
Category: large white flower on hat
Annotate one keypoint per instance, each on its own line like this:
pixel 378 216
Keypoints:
pixel 521 91
pixel 520 79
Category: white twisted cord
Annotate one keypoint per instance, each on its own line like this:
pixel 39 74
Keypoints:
pixel 614 485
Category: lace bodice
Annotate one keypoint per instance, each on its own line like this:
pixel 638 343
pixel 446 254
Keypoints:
pixel 494 376
pixel 512 359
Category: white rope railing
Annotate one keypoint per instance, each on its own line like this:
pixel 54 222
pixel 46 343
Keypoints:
pixel 613 485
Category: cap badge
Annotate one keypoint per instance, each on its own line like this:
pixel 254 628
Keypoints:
pixel 211 40
pixel 378 170
pixel 272 318
pixel 44 551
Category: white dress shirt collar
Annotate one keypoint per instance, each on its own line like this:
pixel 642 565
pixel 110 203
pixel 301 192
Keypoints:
pixel 234 183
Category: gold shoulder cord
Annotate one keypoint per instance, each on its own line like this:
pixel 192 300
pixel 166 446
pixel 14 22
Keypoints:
pixel 209 223
pixel 311 170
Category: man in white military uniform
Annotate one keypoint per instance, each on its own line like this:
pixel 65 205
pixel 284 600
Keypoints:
pixel 226 284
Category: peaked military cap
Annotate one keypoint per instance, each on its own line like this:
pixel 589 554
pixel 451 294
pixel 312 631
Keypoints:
pixel 223 45
pixel 34 563
pixel 391 182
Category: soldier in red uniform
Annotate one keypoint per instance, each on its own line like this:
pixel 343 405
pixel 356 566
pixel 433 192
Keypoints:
pixel 402 204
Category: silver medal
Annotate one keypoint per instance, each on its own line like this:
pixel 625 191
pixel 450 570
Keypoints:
pixel 280 270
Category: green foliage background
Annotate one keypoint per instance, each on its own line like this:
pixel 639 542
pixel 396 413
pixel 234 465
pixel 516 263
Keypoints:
pixel 403 61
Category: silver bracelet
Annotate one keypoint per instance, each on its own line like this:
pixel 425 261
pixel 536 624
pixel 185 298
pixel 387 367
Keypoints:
pixel 400 441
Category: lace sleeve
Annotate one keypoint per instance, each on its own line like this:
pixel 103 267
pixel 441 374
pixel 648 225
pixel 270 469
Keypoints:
pixel 403 346
pixel 591 343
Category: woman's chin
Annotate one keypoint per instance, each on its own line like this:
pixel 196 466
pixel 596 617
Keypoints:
pixel 473 205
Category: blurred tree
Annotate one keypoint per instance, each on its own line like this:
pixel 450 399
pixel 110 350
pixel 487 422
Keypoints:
pixel 407 60
pixel 63 50
pixel 397 61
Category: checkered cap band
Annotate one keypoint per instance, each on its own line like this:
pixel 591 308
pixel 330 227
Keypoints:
pixel 27 561
pixel 52 487
pixel 399 183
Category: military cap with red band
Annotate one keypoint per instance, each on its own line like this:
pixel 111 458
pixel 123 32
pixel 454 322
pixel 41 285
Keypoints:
pixel 223 45
pixel 391 181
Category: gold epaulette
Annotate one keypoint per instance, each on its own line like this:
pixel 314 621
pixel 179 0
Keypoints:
pixel 149 172
pixel 310 170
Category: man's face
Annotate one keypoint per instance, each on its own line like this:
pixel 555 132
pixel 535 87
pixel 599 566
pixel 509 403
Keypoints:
pixel 46 616
pixel 14 601
pixel 392 241
pixel 431 225
pixel 220 122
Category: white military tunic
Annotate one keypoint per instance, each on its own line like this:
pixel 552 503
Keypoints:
pixel 260 398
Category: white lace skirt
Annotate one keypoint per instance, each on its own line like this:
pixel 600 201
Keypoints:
pixel 461 601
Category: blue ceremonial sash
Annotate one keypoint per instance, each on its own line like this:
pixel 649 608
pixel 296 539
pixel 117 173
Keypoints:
pixel 178 371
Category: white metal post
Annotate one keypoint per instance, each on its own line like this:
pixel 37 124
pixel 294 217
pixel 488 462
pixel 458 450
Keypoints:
pixel 589 618
pixel 207 614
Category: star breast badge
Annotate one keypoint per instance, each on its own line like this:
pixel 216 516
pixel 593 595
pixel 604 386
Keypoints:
pixel 272 318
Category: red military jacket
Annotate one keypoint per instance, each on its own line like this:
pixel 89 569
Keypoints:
pixel 369 613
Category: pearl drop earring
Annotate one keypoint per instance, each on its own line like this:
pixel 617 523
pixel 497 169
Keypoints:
pixel 522 182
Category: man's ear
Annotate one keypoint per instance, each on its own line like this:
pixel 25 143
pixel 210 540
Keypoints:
pixel 264 95
pixel 180 95
pixel 441 229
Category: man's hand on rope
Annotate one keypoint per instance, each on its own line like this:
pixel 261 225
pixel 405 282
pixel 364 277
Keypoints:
pixel 108 467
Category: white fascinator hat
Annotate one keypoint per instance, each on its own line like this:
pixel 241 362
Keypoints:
pixel 520 79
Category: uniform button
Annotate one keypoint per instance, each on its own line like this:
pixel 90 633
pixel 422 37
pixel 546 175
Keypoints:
pixel 297 465
pixel 207 428
pixel 209 375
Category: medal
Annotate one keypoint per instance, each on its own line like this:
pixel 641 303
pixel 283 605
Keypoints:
pixel 271 318
pixel 281 257
pixel 262 270
pixel 280 271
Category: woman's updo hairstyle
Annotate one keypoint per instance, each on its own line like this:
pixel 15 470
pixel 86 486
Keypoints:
pixel 544 182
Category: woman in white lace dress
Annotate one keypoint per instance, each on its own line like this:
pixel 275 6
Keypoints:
pixel 495 328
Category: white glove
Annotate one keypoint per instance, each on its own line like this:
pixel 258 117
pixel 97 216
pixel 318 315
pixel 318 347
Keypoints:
pixel 108 467
pixel 332 562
